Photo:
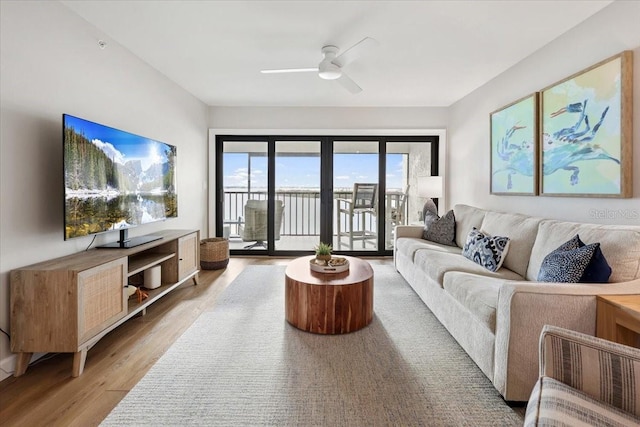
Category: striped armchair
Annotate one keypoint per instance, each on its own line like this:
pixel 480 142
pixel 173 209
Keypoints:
pixel 584 380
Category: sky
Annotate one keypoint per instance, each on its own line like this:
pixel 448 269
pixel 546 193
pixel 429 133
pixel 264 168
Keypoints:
pixel 304 172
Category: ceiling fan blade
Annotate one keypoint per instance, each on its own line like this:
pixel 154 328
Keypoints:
pixel 290 70
pixel 346 82
pixel 359 49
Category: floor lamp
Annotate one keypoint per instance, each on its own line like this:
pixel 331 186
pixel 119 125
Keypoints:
pixel 430 187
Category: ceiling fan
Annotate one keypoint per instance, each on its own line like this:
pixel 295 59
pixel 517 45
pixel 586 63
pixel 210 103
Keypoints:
pixel 330 68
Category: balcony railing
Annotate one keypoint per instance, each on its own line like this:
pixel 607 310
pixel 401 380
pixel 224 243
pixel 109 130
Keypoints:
pixel 301 212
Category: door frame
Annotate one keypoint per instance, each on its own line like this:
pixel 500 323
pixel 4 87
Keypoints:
pixel 215 173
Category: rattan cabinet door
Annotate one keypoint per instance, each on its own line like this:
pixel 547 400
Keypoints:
pixel 101 297
pixel 188 255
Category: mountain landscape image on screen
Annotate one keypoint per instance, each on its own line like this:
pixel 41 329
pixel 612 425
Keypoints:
pixel 114 179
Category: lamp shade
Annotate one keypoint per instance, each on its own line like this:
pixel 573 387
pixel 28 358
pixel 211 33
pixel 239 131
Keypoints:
pixel 430 186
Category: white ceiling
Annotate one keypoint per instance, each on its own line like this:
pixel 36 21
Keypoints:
pixel 432 53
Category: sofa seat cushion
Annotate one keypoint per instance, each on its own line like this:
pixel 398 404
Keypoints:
pixel 478 294
pixel 620 246
pixel 521 231
pixel 554 403
pixel 436 263
pixel 409 245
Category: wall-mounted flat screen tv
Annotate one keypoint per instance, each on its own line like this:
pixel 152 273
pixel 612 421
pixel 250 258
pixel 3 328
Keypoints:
pixel 115 180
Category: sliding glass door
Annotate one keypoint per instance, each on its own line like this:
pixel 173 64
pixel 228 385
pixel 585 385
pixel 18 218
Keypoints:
pixel 356 189
pixel 244 200
pixel 282 195
pixel 297 193
pixel 407 161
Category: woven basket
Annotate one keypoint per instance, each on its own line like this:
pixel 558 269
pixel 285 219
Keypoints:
pixel 214 253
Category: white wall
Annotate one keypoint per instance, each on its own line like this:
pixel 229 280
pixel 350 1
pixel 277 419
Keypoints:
pixel 327 118
pixel 51 64
pixel 607 33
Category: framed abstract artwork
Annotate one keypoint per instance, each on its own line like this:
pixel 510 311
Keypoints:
pixel 585 132
pixel 514 148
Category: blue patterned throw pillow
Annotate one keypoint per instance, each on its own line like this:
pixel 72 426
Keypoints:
pixel 575 262
pixel 485 250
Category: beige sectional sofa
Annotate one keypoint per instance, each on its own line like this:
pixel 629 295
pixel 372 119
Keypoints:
pixel 498 317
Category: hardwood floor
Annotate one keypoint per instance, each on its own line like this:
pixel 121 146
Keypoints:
pixel 48 395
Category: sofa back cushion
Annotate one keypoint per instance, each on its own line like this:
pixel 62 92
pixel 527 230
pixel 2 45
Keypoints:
pixel 467 217
pixel 521 230
pixel 620 245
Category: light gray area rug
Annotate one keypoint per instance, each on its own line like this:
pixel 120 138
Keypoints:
pixel 243 364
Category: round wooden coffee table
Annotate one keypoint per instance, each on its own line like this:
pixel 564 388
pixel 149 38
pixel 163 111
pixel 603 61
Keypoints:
pixel 329 303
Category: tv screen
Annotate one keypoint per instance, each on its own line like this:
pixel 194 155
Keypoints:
pixel 115 180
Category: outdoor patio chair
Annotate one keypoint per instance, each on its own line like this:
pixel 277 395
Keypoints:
pixel 364 206
pixel 397 207
pixel 396 214
pixel 255 224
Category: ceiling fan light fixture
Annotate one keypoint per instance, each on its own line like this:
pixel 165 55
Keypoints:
pixel 329 71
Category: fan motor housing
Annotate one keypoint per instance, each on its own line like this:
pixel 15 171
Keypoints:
pixel 326 69
pixel 329 71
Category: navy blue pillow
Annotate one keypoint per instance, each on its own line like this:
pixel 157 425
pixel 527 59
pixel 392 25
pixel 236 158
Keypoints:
pixel 598 270
pixel 574 262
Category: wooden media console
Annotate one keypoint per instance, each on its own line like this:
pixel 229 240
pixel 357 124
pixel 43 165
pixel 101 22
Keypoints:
pixel 68 304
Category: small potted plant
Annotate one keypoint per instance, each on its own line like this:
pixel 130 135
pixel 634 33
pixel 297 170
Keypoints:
pixel 323 252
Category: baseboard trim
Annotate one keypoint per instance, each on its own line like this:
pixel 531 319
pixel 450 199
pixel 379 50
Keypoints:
pixel 7 367
pixel 8 364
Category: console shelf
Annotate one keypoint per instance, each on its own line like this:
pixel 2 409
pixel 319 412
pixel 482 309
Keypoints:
pixel 141 262
pixel 136 307
pixel 68 304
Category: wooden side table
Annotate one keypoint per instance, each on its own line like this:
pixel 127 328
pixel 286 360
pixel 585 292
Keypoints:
pixel 618 319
